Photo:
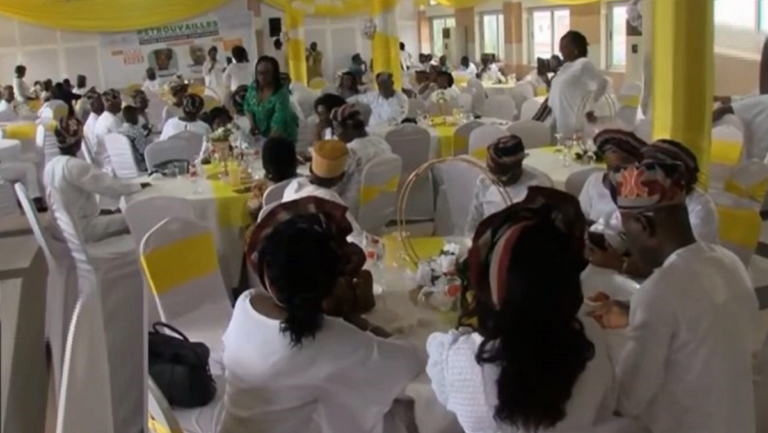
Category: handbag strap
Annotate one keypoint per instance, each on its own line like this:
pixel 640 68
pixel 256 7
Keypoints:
pixel 169 327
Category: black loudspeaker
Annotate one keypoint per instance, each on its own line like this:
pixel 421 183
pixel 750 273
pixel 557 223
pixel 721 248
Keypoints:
pixel 275 27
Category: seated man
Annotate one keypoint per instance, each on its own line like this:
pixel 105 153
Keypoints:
pixel 138 136
pixel 363 148
pixel 388 106
pixel 78 183
pixel 505 162
pixel 189 120
pixel 8 112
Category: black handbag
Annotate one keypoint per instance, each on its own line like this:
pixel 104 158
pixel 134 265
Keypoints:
pixel 180 368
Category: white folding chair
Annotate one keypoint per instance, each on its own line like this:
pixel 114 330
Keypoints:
pixel 8 207
pixel 529 109
pixel 412 144
pixel 461 137
pixel 171 149
pixel 534 134
pixel 415 107
pixel 86 395
pixel 110 268
pixel 145 214
pixel 162 418
pixel 274 193
pixel 455 197
pixel 121 154
pixel 46 141
pixel 378 193
pixel 193 139
pixel 483 136
pixel 500 107
pixel 180 263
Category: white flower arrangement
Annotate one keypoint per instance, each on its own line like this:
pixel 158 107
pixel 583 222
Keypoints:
pixel 222 134
pixel 438 278
pixel 369 29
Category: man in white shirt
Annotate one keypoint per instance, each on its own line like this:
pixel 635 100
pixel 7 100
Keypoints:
pixel 89 131
pixel 505 163
pixel 687 365
pixel 406 60
pixel 466 67
pixel 20 87
pixel 151 82
pixel 753 113
pixel 108 122
pixel 8 105
pixel 240 73
pixel 349 127
pixel 388 106
pixel 77 183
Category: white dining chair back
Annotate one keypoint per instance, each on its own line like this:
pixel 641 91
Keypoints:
pixel 529 109
pixel 46 140
pixel 193 139
pixel 86 402
pixel 534 134
pixel 521 93
pixel 169 150
pixel 483 136
pixel 465 102
pixel 727 153
pixel 161 414
pixel 412 144
pixel 461 137
pixel 8 206
pixel 329 89
pixel 306 101
pixel 86 149
pixel 733 121
pixel 542 178
pixel 120 152
pixel 378 193
pixel 476 89
pixel 643 130
pixel 416 107
pixel 53 109
pixel 500 107
pixel 455 197
pixel 365 111
pixel 575 182
pixel 145 214
pixel 274 193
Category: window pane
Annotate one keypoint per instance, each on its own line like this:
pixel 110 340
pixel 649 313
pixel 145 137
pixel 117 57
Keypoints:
pixel 437 35
pixel 491 34
pixel 542 34
pixel 736 13
pixel 500 25
pixel 562 25
pixel 764 16
pixel 618 36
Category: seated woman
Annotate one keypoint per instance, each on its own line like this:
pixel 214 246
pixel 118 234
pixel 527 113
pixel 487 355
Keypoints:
pixel 278 157
pixel 505 163
pixel 188 121
pixel 268 103
pixel 348 85
pixel 363 148
pixel 534 363
pixel 291 367
pixel 176 93
pixel 618 148
pixel 324 105
pixel 141 102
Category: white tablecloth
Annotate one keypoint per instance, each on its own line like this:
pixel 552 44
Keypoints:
pixel 552 164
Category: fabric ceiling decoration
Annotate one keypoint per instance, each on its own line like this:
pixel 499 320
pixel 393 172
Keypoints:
pixel 330 8
pixel 457 4
pixel 105 15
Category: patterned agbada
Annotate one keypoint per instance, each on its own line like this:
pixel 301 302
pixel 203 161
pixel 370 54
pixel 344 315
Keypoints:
pixel 273 116
pixel 645 186
pixel 68 132
pixel 620 140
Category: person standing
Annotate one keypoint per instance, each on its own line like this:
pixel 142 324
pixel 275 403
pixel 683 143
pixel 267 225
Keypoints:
pixel 238 73
pixel 20 87
pixel 687 365
pixel 151 82
pixel 268 103
pixel 314 62
pixel 576 87
pixel 213 72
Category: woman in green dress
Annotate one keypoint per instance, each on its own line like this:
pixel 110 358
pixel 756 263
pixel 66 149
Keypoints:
pixel 268 103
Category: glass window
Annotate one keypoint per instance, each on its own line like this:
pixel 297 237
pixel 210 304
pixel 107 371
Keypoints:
pixel 493 34
pixel 438 24
pixel 763 15
pixel 547 27
pixel 736 13
pixel 617 35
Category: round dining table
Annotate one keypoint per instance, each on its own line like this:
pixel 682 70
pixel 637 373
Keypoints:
pixel 551 160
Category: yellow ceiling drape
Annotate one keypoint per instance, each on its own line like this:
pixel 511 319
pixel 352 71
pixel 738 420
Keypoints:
pixel 105 15
pixel 330 8
pixel 470 3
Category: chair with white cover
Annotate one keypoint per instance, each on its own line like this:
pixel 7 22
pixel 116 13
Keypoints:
pixel 365 111
pixel 521 93
pixel 53 109
pixel 8 207
pixel 306 134
pixel 378 193
pixel 145 214
pixel 86 150
pixel 461 137
pixel 110 269
pixel 726 154
pixel 530 107
pixel 329 89
pixel 629 103
pixel 416 106
pixel 476 89
pixel 86 404
pixel 542 178
pixel 483 136
pixel 161 416
pixel 534 134
pixel 500 107
pixel 412 144
pixel 169 150
pixel 731 120
pixel 193 139
pixel 274 193
pixel 455 197
pixel 575 182
pixel 643 130
pixel 46 142
pixel 465 102
pixel 121 154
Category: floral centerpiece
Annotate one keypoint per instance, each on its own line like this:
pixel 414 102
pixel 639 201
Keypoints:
pixel 438 279
pixel 220 142
pixel 586 152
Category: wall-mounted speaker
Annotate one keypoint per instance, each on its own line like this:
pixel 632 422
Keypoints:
pixel 275 27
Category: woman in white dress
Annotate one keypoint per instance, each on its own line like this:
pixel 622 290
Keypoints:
pixel 191 108
pixel 213 72
pixel 576 87
pixel 535 363
pixel 291 368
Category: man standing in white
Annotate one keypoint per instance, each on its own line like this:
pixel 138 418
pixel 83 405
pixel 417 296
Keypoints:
pixel 108 122
pixel 89 130
pixel 388 106
pixel 687 366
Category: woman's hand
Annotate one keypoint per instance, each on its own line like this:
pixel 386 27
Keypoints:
pixel 610 314
pixel 591 118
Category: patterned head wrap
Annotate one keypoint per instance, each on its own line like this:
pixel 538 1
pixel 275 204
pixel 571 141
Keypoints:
pixel 504 153
pixel 238 97
pixel 69 131
pixel 139 96
pixel 192 104
pixel 496 236
pixel 673 151
pixel 646 186
pixel 333 221
pixel 176 88
pixel 112 96
pixel 623 141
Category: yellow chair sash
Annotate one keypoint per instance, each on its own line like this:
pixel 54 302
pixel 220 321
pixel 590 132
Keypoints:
pixel 173 265
pixel 445 139
pixel 368 193
pixel 739 226
pixel 632 101
pixel 35 105
pixel 541 91
pixel 21 131
pixel 754 192
pixel 480 153
pixel 726 152
pixel 460 144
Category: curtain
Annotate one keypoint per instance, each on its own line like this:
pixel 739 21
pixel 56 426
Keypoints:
pixel 105 15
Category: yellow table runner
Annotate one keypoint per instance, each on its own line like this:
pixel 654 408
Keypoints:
pixel 231 207
pixel 394 252
pixel 445 139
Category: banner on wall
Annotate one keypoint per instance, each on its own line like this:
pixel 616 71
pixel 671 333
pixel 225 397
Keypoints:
pixel 174 49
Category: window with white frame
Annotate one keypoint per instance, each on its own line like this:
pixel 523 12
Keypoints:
pixel 547 26
pixel 737 13
pixel 493 33
pixel 617 35
pixel 438 24
pixel 763 16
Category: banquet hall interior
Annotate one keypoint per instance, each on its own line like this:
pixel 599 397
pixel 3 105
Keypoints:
pixel 165 165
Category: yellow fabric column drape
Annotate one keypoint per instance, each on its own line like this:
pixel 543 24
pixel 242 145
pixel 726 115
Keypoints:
pixel 386 43
pixel 683 75
pixel 297 60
